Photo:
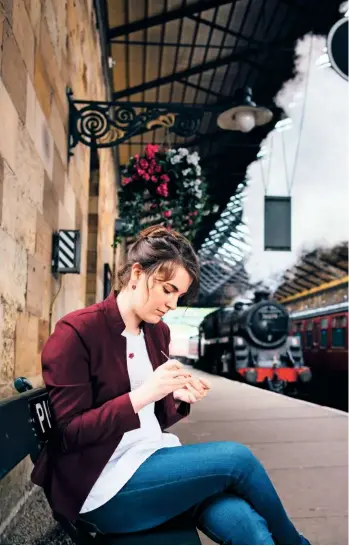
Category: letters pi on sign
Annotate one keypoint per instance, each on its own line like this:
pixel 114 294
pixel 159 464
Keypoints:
pixel 40 411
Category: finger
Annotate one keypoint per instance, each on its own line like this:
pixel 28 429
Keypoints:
pixel 193 391
pixel 172 365
pixel 205 383
pixel 196 384
pixel 179 373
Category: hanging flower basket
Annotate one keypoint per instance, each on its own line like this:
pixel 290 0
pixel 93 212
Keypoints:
pixel 163 186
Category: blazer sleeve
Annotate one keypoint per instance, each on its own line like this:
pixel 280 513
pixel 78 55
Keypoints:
pixel 65 364
pixel 173 414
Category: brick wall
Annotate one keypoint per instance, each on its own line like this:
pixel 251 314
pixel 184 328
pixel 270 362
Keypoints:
pixel 45 47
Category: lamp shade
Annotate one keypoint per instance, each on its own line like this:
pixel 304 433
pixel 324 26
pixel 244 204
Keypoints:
pixel 245 116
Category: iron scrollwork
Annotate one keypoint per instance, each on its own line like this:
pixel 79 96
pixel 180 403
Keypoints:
pixel 103 124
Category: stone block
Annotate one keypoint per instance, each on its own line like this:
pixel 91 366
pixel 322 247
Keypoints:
pixel 29 169
pixel 26 345
pixel 39 130
pixel 78 214
pixel 24 34
pixel 18 215
pixel 9 127
pixel 58 175
pixel 65 221
pixel 58 131
pixel 7 360
pixel 69 199
pixel 43 334
pixel 13 271
pixel 6 9
pixel 43 245
pixel 1 36
pixel 42 84
pixel 8 316
pixel 34 10
pixel 35 285
pixel 51 64
pixel 14 72
pixel 1 185
pixel 51 204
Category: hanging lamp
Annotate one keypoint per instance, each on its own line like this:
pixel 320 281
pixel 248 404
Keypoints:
pixel 246 115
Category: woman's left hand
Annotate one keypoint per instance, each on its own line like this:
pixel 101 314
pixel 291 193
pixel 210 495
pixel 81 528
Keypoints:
pixel 194 390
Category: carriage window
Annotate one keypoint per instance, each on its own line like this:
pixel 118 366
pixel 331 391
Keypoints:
pixel 323 333
pixel 298 328
pixel 323 338
pixel 309 334
pixel 338 331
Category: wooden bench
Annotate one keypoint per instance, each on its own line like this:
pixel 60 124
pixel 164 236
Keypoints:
pixel 25 423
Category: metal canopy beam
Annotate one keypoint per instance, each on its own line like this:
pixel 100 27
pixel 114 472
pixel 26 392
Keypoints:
pixel 162 18
pixel 197 69
pixel 227 31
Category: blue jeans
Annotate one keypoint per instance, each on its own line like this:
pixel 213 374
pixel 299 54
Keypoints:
pixel 222 484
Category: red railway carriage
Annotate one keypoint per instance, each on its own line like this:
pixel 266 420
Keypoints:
pixel 324 337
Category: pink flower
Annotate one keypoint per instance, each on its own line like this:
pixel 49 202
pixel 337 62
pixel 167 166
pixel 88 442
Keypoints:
pixel 126 181
pixel 144 163
pixel 146 177
pixel 162 190
pixel 164 178
pixel 194 213
pixel 154 179
pixel 150 150
pixel 158 169
pixel 190 221
pixel 136 157
pixel 140 172
pixel 167 213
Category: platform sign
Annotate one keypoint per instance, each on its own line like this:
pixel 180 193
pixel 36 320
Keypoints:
pixel 277 223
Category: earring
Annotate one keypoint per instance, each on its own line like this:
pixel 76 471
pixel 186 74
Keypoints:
pixel 133 287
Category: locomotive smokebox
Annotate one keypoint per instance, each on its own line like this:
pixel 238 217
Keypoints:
pixel 261 295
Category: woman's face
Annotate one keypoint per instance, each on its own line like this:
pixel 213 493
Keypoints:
pixel 152 302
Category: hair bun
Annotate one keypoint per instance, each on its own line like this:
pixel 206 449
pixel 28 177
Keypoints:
pixel 157 231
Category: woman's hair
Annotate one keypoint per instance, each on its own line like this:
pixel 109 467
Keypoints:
pixel 159 249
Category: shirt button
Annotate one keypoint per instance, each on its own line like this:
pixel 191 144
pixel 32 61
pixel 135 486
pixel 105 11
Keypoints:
pixel 131 355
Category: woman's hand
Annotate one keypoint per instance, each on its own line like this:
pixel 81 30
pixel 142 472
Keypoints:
pixel 165 379
pixel 193 391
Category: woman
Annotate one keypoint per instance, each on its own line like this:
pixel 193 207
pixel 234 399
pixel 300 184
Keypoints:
pixel 113 392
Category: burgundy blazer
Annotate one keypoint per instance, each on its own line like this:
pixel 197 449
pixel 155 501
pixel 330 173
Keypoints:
pixel 85 372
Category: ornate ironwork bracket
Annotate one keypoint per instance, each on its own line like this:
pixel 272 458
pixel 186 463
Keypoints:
pixel 103 124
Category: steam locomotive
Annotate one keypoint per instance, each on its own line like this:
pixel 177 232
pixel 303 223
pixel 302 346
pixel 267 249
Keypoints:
pixel 250 342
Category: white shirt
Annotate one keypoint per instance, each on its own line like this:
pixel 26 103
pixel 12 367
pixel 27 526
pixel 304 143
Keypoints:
pixel 136 445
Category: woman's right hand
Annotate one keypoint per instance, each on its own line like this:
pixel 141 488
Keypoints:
pixel 167 378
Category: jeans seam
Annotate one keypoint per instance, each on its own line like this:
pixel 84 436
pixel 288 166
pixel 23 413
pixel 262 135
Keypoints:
pixel 170 483
pixel 213 536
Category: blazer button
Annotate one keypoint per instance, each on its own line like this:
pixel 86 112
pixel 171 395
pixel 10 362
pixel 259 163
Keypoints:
pixel 131 355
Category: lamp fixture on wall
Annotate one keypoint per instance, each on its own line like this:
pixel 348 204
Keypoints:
pixel 246 115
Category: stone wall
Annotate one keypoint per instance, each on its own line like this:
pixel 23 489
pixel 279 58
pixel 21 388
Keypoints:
pixel 327 297
pixel 46 46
